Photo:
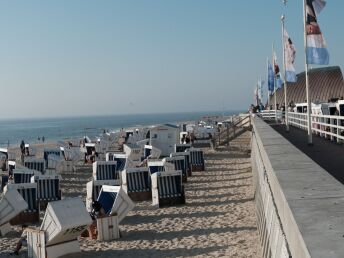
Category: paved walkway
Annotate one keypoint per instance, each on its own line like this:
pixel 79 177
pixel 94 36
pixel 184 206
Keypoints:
pixel 327 154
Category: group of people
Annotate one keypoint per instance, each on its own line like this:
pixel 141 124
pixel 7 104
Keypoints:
pixel 188 138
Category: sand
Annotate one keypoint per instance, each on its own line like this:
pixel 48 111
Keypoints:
pixel 218 220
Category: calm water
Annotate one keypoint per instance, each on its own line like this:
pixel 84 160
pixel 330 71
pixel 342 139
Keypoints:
pixel 13 131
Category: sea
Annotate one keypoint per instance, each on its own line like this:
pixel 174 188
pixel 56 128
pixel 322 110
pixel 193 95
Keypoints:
pixel 12 132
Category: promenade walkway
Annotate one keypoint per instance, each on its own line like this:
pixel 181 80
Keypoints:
pixel 327 154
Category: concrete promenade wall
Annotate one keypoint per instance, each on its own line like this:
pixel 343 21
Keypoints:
pixel 300 207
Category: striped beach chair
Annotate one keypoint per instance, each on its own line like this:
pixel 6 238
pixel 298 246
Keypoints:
pixel 93 189
pixel 35 164
pixel 196 159
pixel 53 151
pixel 23 175
pixel 181 147
pixel 136 183
pixel 121 160
pixel 105 170
pixel 186 156
pixel 48 188
pixel 29 193
pixel 167 188
pixel 179 164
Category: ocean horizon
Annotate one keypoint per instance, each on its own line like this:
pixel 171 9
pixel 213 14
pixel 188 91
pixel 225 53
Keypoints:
pixel 12 131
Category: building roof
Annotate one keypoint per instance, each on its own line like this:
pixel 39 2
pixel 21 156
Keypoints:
pixel 165 125
pixel 324 84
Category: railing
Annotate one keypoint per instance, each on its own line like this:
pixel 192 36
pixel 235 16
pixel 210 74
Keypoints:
pixel 327 126
pixel 238 124
pixel 270 114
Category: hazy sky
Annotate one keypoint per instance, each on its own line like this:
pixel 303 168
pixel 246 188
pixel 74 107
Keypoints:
pixel 79 57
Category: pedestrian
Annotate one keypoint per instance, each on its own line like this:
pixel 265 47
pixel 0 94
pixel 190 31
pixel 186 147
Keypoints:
pixel 43 139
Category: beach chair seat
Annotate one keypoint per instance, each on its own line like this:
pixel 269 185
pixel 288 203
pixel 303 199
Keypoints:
pixel 63 222
pixel 11 204
pixel 167 188
pixel 29 193
pixel 196 159
pixel 115 201
pixel 106 170
pixel 179 164
pixel 136 183
pixel 93 189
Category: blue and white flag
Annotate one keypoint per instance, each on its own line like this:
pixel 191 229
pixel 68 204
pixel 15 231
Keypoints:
pixel 279 81
pixel 260 89
pixel 316 51
pixel 289 53
pixel 271 80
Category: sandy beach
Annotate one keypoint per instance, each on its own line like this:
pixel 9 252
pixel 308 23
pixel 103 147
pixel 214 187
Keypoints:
pixel 218 219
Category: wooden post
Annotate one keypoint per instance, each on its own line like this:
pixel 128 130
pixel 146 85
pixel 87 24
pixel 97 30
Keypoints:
pixel 227 127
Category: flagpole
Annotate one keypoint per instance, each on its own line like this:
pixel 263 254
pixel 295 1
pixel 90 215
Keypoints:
pixel 267 68
pixel 273 67
pixel 284 75
pixel 309 107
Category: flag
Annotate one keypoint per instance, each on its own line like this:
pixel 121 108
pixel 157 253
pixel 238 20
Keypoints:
pixel 289 53
pixel 279 81
pixel 316 51
pixel 271 81
pixel 260 90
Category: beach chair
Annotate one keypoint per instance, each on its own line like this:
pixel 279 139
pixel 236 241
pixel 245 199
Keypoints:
pixel 107 228
pixel 151 152
pixel 35 164
pixel 57 152
pixel 196 159
pixel 48 189
pixel 23 175
pixel 186 156
pixel 136 183
pixel 63 222
pixel 93 189
pixel 179 164
pixel 115 201
pixel 11 204
pixel 181 147
pixel 29 193
pixel 121 160
pixel 4 181
pixel 106 170
pixel 158 166
pixel 167 188
pixel 133 152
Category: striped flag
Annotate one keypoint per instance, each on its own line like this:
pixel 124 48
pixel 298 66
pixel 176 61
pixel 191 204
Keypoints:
pixel 289 53
pixel 316 51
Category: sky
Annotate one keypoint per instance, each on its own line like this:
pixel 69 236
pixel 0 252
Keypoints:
pixel 83 57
